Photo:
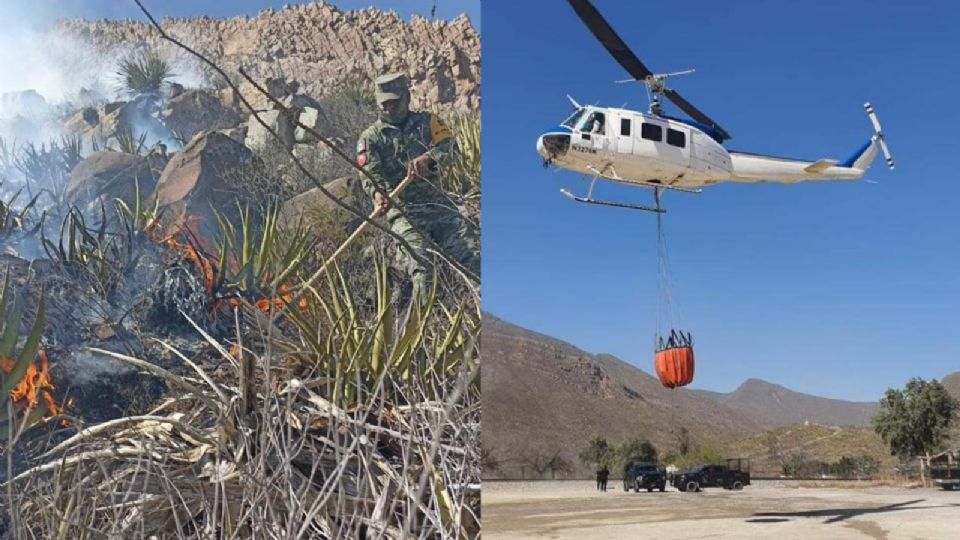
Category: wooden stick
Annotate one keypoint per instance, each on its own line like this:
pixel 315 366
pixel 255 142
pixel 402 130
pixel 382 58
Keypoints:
pixel 308 284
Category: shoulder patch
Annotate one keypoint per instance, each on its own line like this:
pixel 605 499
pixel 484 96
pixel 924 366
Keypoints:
pixel 361 151
pixel 438 131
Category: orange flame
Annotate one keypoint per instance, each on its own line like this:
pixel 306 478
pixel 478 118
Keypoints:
pixel 35 385
pixel 209 271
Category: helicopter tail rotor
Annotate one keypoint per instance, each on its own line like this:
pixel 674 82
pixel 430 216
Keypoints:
pixel 878 134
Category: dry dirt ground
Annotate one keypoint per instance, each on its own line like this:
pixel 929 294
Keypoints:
pixel 575 510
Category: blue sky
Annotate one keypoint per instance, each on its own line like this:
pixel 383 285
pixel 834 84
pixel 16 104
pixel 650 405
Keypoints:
pixel 836 289
pixel 42 11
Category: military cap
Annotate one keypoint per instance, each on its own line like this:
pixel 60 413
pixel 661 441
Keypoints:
pixel 391 86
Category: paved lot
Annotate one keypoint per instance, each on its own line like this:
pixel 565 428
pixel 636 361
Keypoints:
pixel 574 510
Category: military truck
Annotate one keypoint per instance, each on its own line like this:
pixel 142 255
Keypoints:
pixel 639 475
pixel 734 474
pixel 945 469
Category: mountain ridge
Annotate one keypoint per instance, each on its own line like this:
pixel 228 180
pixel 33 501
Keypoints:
pixel 545 398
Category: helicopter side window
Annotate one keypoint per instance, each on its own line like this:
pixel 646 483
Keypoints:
pixel 593 123
pixel 676 138
pixel 651 132
pixel 625 127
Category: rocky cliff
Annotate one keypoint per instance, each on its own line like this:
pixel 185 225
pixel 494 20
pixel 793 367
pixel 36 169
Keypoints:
pixel 316 44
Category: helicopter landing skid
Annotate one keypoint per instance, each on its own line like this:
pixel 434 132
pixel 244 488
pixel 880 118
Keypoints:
pixel 589 200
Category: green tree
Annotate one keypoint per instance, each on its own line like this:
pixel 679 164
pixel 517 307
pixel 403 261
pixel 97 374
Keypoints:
pixel 694 458
pixel 915 421
pixel 684 444
pixel 597 452
pixel 637 448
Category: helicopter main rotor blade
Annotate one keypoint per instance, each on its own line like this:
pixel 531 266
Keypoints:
pixel 609 39
pixel 694 113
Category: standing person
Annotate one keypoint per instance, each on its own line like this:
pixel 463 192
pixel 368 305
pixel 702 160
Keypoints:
pixel 604 476
pixel 400 143
pixel 599 479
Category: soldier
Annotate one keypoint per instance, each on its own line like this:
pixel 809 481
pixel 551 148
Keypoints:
pixel 404 142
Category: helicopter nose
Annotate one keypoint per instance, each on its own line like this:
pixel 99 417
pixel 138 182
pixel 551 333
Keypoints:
pixel 552 145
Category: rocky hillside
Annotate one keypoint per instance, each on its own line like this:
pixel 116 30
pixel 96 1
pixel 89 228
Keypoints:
pixel 780 406
pixel 316 44
pixel 544 397
pixel 768 450
pixel 952 383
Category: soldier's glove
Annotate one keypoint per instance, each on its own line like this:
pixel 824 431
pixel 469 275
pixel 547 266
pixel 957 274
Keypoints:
pixel 380 203
pixel 420 165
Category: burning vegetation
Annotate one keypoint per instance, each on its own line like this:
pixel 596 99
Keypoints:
pixel 304 391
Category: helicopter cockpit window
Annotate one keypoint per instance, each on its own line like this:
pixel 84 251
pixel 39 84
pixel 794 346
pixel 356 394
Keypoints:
pixel 651 132
pixel 676 138
pixel 593 123
pixel 574 118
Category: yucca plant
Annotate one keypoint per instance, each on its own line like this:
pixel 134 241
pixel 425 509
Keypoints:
pixel 461 174
pixel 291 426
pixel 358 350
pixel 106 257
pixel 128 142
pixel 47 168
pixel 14 366
pixel 71 151
pixel 14 220
pixel 144 73
pixel 256 258
pixel 141 216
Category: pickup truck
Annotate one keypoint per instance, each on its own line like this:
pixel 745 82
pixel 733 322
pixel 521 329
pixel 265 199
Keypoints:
pixel 733 475
pixel 639 475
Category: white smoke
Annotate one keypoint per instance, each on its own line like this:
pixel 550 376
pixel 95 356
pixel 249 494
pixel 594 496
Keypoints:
pixel 62 70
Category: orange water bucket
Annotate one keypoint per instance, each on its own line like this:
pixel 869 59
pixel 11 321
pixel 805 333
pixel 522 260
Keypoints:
pixel 674 366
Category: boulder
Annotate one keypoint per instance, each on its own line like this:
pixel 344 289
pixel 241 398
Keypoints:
pixel 238 133
pixel 196 110
pixel 99 125
pixel 261 141
pixel 314 210
pixel 313 118
pixel 197 180
pixel 113 175
pixel 27 103
pixel 82 121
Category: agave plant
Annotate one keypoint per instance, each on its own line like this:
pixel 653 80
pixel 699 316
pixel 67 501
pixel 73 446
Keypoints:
pixel 46 169
pixel 358 350
pixel 15 367
pixel 106 257
pixel 144 73
pixel 257 258
pixel 14 220
pixel 128 142
pixel 461 175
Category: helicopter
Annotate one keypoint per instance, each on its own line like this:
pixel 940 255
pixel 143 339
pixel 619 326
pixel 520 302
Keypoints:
pixel 662 152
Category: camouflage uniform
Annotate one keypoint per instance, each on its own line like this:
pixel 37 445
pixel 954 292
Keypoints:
pixel 384 150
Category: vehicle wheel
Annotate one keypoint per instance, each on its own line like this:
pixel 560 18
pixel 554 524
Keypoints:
pixel 663 488
pixel 649 489
pixel 736 485
pixel 692 486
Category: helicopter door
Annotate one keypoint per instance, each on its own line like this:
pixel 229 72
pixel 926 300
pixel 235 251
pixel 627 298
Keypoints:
pixel 595 131
pixel 624 137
